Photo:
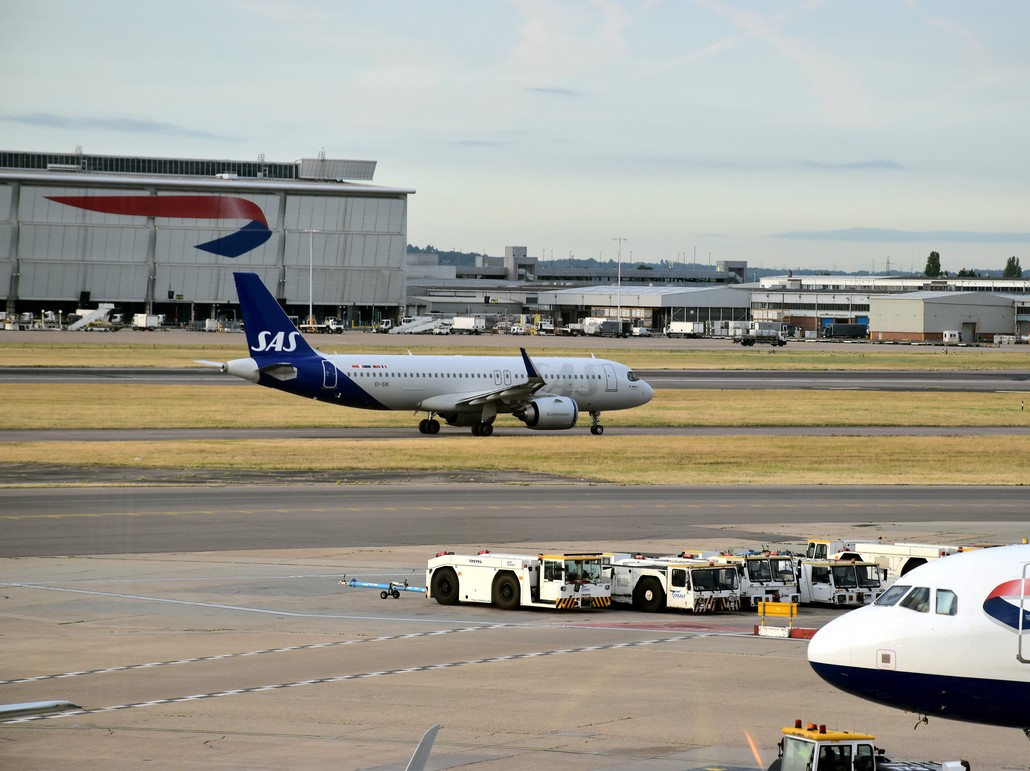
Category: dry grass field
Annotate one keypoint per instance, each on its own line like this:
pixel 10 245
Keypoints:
pixel 996 459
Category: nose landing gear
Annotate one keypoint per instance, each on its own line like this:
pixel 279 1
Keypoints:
pixel 595 424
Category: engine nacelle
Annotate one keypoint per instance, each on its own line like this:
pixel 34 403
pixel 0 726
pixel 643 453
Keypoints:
pixel 549 413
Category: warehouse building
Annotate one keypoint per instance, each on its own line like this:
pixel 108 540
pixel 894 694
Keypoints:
pixel 164 235
pixel 930 316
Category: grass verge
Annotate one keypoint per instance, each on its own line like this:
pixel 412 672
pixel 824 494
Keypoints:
pixel 765 460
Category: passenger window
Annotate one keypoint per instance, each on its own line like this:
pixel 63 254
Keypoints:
pixel 918 600
pixel 947 602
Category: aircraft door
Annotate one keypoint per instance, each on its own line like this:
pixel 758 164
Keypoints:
pixel 328 374
pixel 611 382
pixel 552 579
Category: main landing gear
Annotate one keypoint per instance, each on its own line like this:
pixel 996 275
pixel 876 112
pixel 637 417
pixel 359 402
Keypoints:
pixel 482 429
pixel 595 424
pixel 429 426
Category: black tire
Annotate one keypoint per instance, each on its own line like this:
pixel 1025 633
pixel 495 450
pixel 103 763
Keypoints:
pixel 445 586
pixel 383 594
pixel 507 595
pixel 597 430
pixel 648 595
pixel 395 593
pixel 487 429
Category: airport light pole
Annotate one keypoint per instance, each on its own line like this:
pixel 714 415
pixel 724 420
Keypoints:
pixel 618 281
pixel 311 273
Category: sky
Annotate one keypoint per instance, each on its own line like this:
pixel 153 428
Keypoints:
pixel 834 134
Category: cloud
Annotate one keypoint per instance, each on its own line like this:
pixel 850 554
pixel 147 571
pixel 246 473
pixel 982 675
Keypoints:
pixel 876 164
pixel 872 235
pixel 122 125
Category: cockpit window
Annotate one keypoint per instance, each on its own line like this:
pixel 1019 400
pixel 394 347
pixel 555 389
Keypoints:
pixel 631 376
pixel 892 595
pixel 947 602
pixel 918 600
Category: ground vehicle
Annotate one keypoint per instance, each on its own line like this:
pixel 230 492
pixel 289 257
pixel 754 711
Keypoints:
pixel 813 748
pixel 684 329
pixel 838 582
pixel 330 325
pixel 893 559
pixel 763 578
pixel 653 584
pixel 468 325
pixel 384 326
pixel 510 581
pixel 854 331
pixel 146 321
pixel 761 332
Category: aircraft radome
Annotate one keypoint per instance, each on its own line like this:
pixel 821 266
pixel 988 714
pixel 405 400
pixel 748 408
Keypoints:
pixel 546 393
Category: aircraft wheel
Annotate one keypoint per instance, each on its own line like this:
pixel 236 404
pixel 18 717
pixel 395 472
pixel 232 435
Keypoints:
pixel 597 430
pixel 445 586
pixel 477 429
pixel 434 427
pixel 487 429
pixel 423 426
pixel 648 596
pixel 507 595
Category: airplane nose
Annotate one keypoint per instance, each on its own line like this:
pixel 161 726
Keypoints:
pixel 646 392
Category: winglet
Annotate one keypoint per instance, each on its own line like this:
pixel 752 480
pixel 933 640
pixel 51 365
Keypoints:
pixel 532 373
pixel 421 757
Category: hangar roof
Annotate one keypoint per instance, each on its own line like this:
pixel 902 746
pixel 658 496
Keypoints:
pixel 648 296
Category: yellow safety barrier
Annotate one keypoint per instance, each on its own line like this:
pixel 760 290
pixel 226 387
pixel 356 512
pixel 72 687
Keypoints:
pixel 787 610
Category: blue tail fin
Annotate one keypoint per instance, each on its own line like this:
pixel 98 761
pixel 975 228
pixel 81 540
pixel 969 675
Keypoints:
pixel 270 333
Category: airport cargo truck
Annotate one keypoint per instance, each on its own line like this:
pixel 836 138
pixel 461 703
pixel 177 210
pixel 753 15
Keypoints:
pixel 684 329
pixel 146 321
pixel 510 581
pixel 771 333
pixel 468 325
pixel 652 584
pixel 763 578
pixel 893 559
pixel 813 748
pixel 844 583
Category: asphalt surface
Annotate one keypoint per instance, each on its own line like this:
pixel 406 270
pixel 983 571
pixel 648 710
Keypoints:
pixel 1014 381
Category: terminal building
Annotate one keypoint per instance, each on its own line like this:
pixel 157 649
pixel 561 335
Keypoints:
pixel 164 235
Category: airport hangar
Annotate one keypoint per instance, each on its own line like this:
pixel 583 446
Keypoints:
pixel 164 235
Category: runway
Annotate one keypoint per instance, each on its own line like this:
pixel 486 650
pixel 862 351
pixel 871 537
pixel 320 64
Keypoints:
pixel 998 381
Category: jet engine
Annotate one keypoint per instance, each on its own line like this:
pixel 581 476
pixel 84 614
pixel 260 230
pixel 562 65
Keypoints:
pixel 549 413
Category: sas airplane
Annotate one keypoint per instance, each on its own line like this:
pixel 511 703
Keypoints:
pixel 950 638
pixel 546 394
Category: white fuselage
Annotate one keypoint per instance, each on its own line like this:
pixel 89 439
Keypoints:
pixel 961 654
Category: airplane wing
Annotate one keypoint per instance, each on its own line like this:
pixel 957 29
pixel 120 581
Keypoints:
pixel 506 398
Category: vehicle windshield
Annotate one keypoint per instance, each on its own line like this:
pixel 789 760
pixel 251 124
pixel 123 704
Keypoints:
pixel 759 570
pixel 797 755
pixel 783 569
pixel 844 576
pixel 868 576
pixel 587 570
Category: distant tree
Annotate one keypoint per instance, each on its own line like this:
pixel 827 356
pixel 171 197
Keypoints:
pixel 968 273
pixel 933 265
pixel 1012 268
pixel 642 266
